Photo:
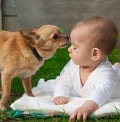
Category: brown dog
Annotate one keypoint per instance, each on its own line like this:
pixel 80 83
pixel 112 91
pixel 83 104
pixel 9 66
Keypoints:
pixel 22 53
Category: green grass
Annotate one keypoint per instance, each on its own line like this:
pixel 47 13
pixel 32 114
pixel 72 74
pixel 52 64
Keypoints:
pixel 50 70
pixel 115 56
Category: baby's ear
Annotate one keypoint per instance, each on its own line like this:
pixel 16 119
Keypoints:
pixel 95 54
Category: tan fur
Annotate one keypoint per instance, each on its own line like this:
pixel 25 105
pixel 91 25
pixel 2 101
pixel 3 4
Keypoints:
pixel 17 58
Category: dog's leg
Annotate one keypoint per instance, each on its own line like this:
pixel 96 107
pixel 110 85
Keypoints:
pixel 0 86
pixel 6 88
pixel 27 86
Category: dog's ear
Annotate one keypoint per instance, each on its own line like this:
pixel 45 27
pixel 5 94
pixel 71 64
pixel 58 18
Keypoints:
pixel 31 35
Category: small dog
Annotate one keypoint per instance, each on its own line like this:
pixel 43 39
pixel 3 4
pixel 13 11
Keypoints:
pixel 23 53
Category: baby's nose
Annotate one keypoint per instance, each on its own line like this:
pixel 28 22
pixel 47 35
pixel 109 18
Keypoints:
pixel 69 50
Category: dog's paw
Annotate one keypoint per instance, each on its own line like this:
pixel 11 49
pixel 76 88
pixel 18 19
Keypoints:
pixel 30 94
pixel 2 108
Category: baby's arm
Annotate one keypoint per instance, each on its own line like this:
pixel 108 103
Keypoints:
pixel 63 85
pixel 98 97
pixel 82 112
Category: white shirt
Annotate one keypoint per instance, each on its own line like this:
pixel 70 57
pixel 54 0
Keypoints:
pixel 102 84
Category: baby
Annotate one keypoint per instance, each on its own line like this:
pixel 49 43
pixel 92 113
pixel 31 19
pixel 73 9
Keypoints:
pixel 89 73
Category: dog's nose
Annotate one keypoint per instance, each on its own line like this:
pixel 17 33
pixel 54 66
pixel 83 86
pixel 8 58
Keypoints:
pixel 66 37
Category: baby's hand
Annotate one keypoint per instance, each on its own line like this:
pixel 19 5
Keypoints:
pixel 82 112
pixel 60 100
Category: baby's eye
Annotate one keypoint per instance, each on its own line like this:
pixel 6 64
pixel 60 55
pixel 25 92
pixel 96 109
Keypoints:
pixel 74 48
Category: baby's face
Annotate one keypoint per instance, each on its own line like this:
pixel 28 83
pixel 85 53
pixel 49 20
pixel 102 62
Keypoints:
pixel 80 50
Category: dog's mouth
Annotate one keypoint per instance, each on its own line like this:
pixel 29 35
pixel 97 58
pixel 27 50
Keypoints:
pixel 66 37
pixel 64 45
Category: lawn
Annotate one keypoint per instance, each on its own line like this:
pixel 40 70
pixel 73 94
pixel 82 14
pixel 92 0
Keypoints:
pixel 50 70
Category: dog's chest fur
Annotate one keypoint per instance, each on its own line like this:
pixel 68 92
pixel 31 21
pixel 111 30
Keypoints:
pixel 16 56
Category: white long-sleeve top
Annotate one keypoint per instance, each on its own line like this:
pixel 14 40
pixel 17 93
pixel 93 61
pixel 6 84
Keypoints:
pixel 102 84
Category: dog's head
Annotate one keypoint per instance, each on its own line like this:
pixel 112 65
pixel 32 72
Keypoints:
pixel 46 40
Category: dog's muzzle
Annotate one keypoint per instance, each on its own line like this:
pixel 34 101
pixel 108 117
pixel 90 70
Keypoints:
pixel 67 40
pixel 66 37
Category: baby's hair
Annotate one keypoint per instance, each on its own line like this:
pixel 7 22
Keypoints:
pixel 103 33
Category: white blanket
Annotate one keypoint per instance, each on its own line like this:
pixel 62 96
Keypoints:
pixel 43 102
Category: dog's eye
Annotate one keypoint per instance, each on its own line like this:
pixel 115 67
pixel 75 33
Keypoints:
pixel 55 36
